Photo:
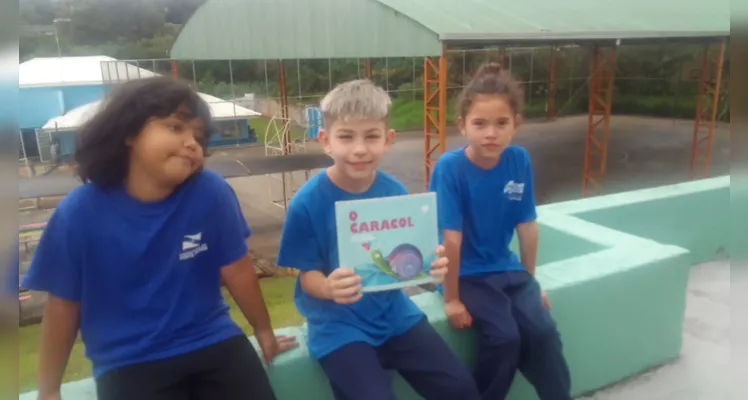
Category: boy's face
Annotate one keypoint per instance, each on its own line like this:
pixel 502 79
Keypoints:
pixel 169 148
pixel 356 147
pixel 489 125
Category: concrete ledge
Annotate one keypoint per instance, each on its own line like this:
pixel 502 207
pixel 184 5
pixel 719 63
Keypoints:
pixel 616 268
pixel 692 215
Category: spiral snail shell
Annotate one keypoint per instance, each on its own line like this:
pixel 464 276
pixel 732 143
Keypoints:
pixel 406 261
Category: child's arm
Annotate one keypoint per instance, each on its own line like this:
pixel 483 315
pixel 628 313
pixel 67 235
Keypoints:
pixel 450 216
pixel 452 242
pixel 238 273
pixel 526 224
pixel 449 210
pixel 527 233
pixel 315 283
pixel 244 287
pixel 56 269
pixel 60 323
pixel 300 249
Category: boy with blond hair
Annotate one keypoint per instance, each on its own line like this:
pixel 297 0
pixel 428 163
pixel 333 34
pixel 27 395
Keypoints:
pixel 357 337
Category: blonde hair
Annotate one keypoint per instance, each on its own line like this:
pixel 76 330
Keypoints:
pixel 359 99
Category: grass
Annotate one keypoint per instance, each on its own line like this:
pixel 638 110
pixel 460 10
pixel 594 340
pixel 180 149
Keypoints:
pixel 278 293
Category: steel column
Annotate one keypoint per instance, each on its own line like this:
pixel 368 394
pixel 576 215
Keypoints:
pixel 174 69
pixel 551 105
pixel 707 107
pixel 367 68
pixel 434 110
pixel 503 59
pixel 602 76
pixel 287 148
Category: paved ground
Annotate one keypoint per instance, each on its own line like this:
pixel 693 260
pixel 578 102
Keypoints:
pixel 703 371
pixel 644 152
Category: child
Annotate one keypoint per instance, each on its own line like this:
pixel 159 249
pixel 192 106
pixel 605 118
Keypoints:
pixel 357 337
pixel 134 258
pixel 485 192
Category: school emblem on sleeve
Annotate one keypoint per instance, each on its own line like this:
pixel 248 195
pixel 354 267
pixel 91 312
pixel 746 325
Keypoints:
pixel 192 245
pixel 514 191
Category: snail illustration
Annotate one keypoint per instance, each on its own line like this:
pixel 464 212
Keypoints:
pixel 404 262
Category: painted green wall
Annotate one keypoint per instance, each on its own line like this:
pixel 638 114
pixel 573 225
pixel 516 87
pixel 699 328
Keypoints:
pixel 558 245
pixel 696 217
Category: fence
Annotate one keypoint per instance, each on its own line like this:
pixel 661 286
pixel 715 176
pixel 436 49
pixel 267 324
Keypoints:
pixel 655 80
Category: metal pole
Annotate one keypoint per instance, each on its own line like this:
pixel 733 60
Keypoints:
pixel 194 74
pixel 298 76
pixel 29 170
pixel 57 36
pixel 267 82
pixel 413 79
pixel 57 40
pixel 329 74
pixel 387 74
pixel 233 96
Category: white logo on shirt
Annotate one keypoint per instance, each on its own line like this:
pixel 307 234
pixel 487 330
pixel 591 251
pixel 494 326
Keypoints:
pixel 192 246
pixel 514 191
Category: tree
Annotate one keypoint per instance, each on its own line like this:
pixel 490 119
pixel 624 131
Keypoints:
pixel 101 21
pixel 36 12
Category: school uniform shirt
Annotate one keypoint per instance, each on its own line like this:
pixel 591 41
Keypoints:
pixel 147 275
pixel 485 205
pixel 309 243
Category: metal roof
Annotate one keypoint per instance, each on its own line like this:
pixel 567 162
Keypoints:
pixel 568 19
pixel 65 71
pixel 289 29
pixel 75 118
pixel 304 29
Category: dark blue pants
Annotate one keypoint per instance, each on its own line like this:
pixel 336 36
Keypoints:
pixel 515 331
pixel 357 371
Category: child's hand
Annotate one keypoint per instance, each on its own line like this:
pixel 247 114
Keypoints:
pixel 272 345
pixel 458 315
pixel 439 266
pixel 344 286
pixel 546 300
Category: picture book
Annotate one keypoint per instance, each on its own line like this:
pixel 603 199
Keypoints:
pixel 390 241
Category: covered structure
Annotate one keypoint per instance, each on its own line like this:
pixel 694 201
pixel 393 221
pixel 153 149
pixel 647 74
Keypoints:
pixel 325 29
pixel 72 71
pixel 230 118
pixel 53 86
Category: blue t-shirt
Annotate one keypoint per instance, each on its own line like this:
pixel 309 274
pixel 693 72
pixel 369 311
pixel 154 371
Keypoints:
pixel 485 205
pixel 309 242
pixel 147 275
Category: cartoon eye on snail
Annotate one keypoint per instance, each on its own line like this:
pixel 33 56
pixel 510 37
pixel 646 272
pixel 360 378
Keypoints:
pixel 404 262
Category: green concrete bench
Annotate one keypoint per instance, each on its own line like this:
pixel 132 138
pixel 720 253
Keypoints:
pixel 616 269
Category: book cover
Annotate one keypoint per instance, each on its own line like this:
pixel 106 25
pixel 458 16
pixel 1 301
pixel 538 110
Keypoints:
pixel 390 241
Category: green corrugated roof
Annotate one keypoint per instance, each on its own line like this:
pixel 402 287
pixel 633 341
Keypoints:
pixel 290 29
pixel 455 20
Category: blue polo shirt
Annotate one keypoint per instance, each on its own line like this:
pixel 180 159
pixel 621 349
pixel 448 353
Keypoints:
pixel 146 275
pixel 309 243
pixel 486 205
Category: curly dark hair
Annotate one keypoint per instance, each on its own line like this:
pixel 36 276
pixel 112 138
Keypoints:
pixel 101 153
